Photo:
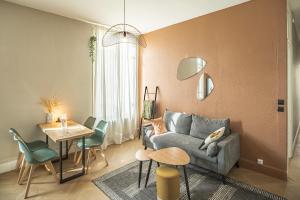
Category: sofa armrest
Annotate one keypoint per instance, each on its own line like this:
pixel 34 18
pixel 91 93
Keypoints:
pixel 229 153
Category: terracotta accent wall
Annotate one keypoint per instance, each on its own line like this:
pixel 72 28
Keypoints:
pixel 245 50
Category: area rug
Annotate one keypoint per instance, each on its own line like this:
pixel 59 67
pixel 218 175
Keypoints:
pixel 122 184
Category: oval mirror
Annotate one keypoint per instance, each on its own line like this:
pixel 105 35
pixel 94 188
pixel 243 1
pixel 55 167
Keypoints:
pixel 188 67
pixel 205 86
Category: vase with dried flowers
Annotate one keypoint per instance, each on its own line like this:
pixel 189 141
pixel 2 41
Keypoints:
pixel 51 106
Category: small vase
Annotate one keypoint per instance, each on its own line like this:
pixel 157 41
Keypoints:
pixel 49 118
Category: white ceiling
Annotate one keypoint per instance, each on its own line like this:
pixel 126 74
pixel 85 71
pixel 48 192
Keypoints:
pixel 146 15
pixel 295 7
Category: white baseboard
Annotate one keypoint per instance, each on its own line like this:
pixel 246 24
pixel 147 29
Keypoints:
pixel 8 166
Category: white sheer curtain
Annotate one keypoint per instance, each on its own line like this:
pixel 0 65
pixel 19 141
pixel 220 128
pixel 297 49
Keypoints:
pixel 116 99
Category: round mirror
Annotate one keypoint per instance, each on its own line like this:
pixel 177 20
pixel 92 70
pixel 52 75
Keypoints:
pixel 205 86
pixel 188 67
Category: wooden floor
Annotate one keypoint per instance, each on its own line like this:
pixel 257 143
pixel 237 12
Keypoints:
pixel 44 187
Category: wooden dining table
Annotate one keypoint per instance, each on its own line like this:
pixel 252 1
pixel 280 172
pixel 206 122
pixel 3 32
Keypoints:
pixel 60 134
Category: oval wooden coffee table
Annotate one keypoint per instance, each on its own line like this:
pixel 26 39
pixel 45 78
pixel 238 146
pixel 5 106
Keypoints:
pixel 171 156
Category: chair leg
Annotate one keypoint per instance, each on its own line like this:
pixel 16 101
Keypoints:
pixel 50 166
pixel 21 170
pixel 70 145
pixel 79 159
pixel 88 161
pixel 94 152
pixel 24 174
pixel 32 168
pixel 19 160
pixel 75 155
pixel 103 155
pixel 47 168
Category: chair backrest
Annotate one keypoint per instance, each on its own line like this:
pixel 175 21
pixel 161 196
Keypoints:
pixel 89 122
pixel 101 129
pixel 22 144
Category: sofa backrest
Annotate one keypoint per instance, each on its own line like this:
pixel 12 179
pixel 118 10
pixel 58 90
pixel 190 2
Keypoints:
pixel 178 122
pixel 202 126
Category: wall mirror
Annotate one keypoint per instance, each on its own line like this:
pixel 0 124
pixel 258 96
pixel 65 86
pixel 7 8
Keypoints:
pixel 205 86
pixel 188 67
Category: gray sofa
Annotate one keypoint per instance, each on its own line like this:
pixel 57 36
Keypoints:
pixel 188 132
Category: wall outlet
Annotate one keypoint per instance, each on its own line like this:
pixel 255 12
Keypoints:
pixel 260 161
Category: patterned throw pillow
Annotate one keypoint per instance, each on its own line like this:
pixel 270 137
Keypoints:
pixel 159 126
pixel 213 137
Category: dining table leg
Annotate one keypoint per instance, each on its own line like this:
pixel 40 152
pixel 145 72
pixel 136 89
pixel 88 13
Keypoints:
pixel 60 163
pixel 67 150
pixel 186 182
pixel 63 180
pixel 148 173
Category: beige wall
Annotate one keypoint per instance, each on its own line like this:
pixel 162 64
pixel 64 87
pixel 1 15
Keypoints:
pixel 41 55
pixel 245 50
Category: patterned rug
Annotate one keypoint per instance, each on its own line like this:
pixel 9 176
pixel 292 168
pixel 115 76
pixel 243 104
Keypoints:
pixel 122 184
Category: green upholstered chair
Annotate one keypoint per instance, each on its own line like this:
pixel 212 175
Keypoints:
pixel 94 141
pixel 33 146
pixel 34 158
pixel 89 123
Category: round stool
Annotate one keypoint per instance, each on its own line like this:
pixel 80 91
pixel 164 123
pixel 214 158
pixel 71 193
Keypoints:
pixel 167 183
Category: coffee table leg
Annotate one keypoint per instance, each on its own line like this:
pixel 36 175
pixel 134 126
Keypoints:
pixel 186 182
pixel 148 173
pixel 158 165
pixel 140 172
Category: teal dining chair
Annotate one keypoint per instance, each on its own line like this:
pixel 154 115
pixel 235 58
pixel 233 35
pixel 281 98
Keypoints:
pixel 33 146
pixel 89 123
pixel 93 142
pixel 41 156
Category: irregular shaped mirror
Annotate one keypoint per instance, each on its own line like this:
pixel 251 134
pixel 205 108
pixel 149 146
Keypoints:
pixel 188 67
pixel 205 86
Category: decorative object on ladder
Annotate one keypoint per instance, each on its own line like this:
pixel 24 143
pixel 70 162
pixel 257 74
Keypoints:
pixel 149 107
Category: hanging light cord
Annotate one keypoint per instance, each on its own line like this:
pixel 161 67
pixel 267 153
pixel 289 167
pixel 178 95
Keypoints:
pixel 124 20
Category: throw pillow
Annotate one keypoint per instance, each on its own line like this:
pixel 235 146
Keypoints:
pixel 213 137
pixel 212 149
pixel 159 126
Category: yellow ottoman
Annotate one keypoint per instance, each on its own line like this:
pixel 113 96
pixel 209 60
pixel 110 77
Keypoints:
pixel 167 183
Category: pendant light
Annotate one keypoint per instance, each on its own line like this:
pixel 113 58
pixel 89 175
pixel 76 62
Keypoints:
pixel 123 33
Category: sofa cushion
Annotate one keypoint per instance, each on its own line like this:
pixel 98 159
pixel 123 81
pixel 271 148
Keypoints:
pixel 178 122
pixel 202 126
pixel 185 142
